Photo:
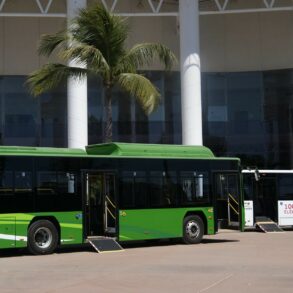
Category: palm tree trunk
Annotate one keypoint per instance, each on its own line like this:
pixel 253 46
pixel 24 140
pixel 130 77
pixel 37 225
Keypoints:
pixel 108 134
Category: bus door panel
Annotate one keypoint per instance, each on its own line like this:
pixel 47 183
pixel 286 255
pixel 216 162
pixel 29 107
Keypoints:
pixel 110 203
pixel 94 204
pixel 100 203
pixel 227 193
pixel 266 198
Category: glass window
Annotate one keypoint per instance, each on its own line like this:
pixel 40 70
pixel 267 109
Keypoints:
pixel 248 186
pixel 127 194
pixel 53 118
pixel 22 182
pixel 194 187
pixel 133 190
pixel 47 183
pixel 156 189
pixel 163 189
pixel 140 191
pixel 66 183
pixel 286 187
pixel 20 113
pixel 6 183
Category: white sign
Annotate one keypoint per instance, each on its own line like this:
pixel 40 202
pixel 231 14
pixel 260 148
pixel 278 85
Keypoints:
pixel 248 211
pixel 285 212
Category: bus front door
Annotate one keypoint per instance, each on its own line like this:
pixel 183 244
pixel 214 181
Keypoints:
pixel 228 195
pixel 100 204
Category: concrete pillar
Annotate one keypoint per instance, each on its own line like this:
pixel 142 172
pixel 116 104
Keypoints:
pixel 77 117
pixel 190 72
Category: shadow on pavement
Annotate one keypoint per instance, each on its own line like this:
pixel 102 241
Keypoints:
pixel 211 241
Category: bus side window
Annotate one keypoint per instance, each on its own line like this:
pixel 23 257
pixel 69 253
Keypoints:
pixel 140 191
pixel 22 182
pixel 66 183
pixel 6 183
pixel 286 187
pixel 46 183
pixel 133 190
pixel 126 191
pixel 194 187
pixel 163 187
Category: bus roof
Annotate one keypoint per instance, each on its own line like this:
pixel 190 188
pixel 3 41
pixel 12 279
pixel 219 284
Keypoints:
pixel 149 150
pixel 40 151
pixel 116 150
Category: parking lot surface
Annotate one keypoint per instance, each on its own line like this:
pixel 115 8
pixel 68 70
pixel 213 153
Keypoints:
pixel 227 262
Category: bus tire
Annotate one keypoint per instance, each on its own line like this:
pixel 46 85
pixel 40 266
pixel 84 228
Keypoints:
pixel 193 229
pixel 42 237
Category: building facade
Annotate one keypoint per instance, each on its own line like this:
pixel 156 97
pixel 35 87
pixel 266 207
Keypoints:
pixel 245 87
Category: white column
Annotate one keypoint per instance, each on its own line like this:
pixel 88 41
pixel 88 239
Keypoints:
pixel 190 72
pixel 77 117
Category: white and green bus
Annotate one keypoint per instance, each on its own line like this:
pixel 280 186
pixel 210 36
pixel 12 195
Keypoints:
pixel 268 194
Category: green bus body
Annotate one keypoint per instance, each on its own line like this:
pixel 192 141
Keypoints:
pixel 16 226
pixel 131 224
pixel 158 223
pixel 138 225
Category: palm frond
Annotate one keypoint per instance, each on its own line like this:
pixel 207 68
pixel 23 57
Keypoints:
pixel 86 54
pixel 51 42
pixel 142 89
pixel 145 53
pixel 105 31
pixel 50 76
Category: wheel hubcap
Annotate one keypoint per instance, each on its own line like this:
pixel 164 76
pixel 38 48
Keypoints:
pixel 192 229
pixel 43 237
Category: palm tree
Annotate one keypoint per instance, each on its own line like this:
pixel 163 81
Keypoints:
pixel 97 39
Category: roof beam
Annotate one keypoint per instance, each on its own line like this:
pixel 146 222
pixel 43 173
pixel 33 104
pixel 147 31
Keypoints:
pixel 44 9
pixel 269 3
pixel 220 6
pixel 155 9
pixel 114 3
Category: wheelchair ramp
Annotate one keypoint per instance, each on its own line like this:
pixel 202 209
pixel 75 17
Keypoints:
pixel 104 244
pixel 268 226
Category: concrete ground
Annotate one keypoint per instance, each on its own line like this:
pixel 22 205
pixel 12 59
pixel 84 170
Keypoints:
pixel 227 262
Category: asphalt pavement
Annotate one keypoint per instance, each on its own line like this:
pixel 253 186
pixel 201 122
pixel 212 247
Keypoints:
pixel 230 261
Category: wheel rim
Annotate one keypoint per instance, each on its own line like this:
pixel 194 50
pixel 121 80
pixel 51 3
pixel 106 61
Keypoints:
pixel 192 229
pixel 43 237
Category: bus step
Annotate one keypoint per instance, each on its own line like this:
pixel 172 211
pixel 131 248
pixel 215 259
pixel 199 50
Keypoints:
pixel 104 244
pixel 268 226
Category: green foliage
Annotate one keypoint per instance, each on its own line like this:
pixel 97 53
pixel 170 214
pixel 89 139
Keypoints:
pixel 96 39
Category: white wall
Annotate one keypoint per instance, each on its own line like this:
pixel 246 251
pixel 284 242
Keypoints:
pixel 234 42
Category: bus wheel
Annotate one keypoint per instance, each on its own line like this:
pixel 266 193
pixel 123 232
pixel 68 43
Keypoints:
pixel 193 229
pixel 42 237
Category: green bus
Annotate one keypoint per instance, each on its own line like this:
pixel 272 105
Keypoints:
pixel 54 196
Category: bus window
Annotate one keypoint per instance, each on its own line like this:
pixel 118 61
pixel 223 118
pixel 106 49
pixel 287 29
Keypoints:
pixel 66 183
pixel 194 187
pixel 22 182
pixel 6 183
pixel 140 190
pixel 285 187
pixel 163 187
pixel 248 186
pixel 133 190
pixel 47 183
pixel 126 190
